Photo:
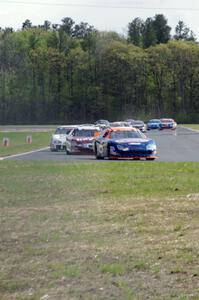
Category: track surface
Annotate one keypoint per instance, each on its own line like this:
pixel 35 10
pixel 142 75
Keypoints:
pixel 180 145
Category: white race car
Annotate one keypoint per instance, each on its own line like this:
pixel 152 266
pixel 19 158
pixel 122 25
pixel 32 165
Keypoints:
pixel 58 140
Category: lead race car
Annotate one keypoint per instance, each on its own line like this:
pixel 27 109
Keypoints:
pixel 124 143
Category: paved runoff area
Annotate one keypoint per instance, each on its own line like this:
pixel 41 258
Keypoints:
pixel 180 145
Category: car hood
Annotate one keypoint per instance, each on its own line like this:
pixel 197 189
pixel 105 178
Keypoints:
pixel 131 141
pixel 83 139
pixel 138 125
pixel 59 137
pixel 154 123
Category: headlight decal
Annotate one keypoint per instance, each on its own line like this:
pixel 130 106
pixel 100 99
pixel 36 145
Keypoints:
pixel 122 148
pixel 151 146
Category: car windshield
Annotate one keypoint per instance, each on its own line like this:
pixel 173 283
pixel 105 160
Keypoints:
pixel 84 132
pixel 63 130
pixel 105 122
pixel 138 123
pixel 166 120
pixel 119 124
pixel 154 121
pixel 128 134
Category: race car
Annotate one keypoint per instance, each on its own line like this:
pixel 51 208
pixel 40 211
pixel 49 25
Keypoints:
pixel 124 143
pixel 139 125
pixel 153 124
pixel 102 122
pixel 58 140
pixel 119 124
pixel 129 121
pixel 80 140
pixel 167 124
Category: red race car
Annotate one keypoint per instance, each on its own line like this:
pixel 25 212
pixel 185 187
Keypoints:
pixel 80 140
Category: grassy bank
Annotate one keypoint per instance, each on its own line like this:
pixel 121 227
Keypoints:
pixel 192 126
pixel 125 230
pixel 18 142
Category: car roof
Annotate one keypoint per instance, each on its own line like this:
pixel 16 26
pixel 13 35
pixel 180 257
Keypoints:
pixel 102 120
pixel 67 126
pixel 166 119
pixel 122 129
pixel 82 127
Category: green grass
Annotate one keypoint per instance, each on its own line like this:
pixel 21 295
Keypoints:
pixel 18 142
pixel 126 230
pixel 113 269
pixel 193 126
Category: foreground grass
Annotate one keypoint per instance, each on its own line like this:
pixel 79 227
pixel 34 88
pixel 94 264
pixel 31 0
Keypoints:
pixel 18 142
pixel 126 230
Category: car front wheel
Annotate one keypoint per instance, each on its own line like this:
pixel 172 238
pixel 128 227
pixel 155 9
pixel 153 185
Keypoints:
pixel 97 155
pixel 67 152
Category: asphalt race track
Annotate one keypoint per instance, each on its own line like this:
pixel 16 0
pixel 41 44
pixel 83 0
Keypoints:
pixel 179 145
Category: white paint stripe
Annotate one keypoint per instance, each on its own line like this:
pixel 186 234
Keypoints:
pixel 191 129
pixel 25 153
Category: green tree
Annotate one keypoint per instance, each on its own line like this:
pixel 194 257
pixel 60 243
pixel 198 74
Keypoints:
pixel 183 33
pixel 135 32
pixel 67 25
pixel 149 34
pixel 27 24
pixel 162 29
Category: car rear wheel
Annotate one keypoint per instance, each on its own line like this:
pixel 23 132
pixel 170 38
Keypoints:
pixel 150 158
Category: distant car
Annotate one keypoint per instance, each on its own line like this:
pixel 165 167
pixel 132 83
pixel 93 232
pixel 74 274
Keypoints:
pixel 139 125
pixel 153 124
pixel 124 143
pixel 102 122
pixel 119 124
pixel 87 125
pixel 80 140
pixel 167 124
pixel 129 121
pixel 58 140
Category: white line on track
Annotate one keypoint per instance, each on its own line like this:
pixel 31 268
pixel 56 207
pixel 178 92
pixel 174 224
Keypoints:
pixel 194 130
pixel 25 153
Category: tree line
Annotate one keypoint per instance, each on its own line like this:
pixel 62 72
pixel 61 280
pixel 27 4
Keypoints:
pixel 68 72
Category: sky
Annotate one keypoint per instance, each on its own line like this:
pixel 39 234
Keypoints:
pixel 108 15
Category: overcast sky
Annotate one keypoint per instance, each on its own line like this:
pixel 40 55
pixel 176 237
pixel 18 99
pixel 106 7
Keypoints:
pixel 103 15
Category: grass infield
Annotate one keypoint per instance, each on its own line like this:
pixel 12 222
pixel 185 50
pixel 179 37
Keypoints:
pixel 18 142
pixel 126 230
pixel 192 126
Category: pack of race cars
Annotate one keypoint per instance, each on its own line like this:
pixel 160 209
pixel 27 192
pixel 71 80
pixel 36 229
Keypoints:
pixel 112 140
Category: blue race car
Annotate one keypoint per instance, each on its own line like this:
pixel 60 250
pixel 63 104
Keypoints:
pixel 153 124
pixel 124 143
